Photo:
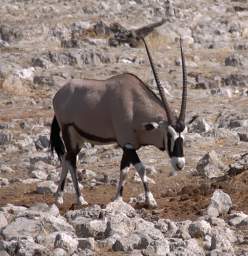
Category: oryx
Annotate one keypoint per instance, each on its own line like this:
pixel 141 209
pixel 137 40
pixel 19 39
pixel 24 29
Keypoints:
pixel 122 110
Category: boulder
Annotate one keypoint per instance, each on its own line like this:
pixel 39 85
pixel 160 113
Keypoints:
pixel 220 204
pixel 210 166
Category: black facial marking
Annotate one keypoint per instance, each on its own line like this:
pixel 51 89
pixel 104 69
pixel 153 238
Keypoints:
pixel 177 150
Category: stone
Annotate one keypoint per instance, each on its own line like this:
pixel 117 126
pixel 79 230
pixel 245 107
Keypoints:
pixel 86 243
pixel 199 229
pixel 5 138
pixel 211 166
pixel 13 84
pixel 223 239
pixel 21 227
pixel 230 136
pixel 130 243
pixel 46 187
pixel 220 204
pixel 239 165
pixel 242 133
pixel 6 169
pixel 66 242
pixel 119 206
pixel 90 228
pixel 238 219
pixel 3 220
pixel 4 182
pixel 92 212
pixel 60 252
pixel 234 60
pixel 41 175
pixel 198 125
pixel 42 142
pixel 26 246
pixel 167 227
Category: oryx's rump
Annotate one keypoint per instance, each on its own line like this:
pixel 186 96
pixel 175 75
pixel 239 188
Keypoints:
pixel 110 110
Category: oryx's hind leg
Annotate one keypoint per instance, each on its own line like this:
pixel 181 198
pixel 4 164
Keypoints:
pixel 71 158
pixel 72 145
pixel 60 189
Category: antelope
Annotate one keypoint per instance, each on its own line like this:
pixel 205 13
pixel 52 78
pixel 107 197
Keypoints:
pixel 122 110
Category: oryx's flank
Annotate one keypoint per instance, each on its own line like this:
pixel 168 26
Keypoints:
pixel 122 110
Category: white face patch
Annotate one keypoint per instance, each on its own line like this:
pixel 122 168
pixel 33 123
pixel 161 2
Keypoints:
pixel 174 136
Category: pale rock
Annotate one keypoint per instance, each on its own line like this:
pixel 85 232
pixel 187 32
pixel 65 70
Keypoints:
pixel 92 212
pixel 21 227
pixel 130 243
pixel 238 219
pixel 66 242
pixel 87 243
pixel 220 204
pixel 167 227
pixel 38 174
pixel 211 166
pixel 46 187
pixel 198 125
pixel 5 138
pixel 90 228
pixel 3 220
pixel 199 229
pixel 6 169
pixel 119 206
pixel 26 73
pixel 120 224
pixel 59 252
pixel 14 85
pixel 4 182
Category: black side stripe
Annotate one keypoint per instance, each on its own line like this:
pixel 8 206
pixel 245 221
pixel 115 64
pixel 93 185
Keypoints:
pixel 91 137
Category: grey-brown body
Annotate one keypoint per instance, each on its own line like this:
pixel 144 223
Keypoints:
pixel 113 110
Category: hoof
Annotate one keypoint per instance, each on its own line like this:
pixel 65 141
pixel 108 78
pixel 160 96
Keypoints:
pixel 81 201
pixel 59 199
pixel 151 202
pixel 117 199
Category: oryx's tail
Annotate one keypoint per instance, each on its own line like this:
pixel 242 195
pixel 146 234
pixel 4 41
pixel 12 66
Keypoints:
pixel 55 139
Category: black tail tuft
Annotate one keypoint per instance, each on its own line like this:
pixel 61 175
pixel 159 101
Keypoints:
pixel 55 139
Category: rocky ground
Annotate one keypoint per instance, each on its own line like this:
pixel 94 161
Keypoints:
pixel 201 211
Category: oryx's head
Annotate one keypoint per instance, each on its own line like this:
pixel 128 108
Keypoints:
pixel 176 125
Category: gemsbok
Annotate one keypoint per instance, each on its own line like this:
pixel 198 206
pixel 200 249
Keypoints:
pixel 122 110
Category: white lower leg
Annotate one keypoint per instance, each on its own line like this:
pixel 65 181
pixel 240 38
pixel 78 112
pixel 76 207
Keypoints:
pixel 122 181
pixel 150 201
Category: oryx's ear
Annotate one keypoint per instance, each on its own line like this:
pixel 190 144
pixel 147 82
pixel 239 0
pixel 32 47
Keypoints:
pixel 152 125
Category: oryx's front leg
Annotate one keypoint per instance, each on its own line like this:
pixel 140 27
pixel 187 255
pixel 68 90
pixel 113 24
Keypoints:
pixel 139 166
pixel 124 168
pixel 130 157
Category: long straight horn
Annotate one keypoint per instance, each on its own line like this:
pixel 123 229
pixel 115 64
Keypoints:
pixel 181 118
pixel 160 89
